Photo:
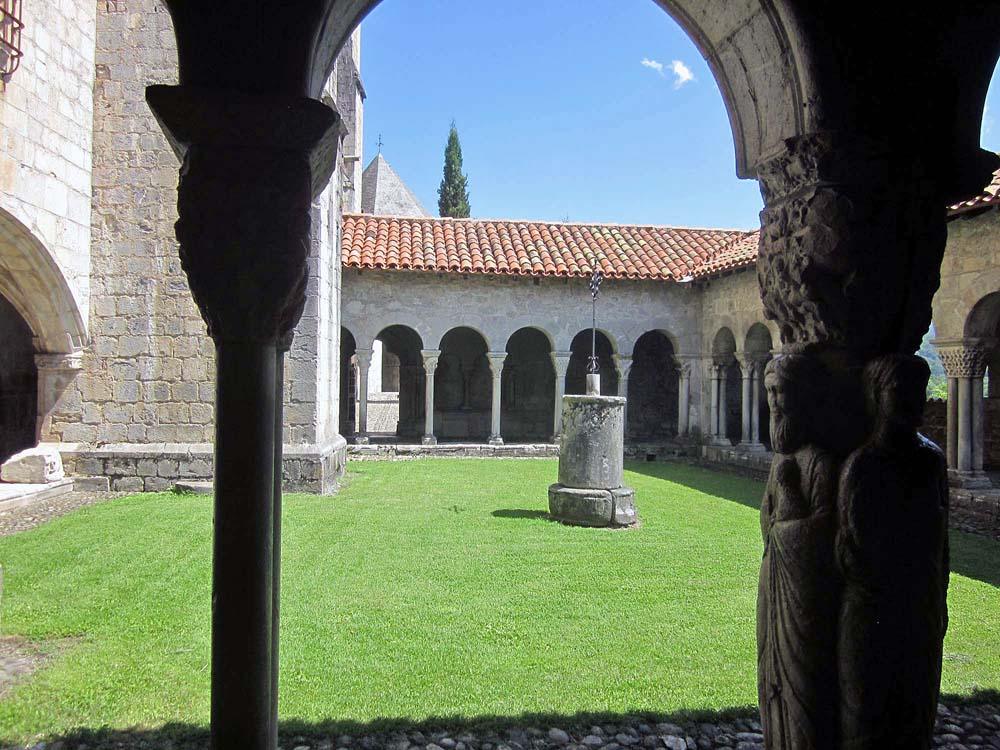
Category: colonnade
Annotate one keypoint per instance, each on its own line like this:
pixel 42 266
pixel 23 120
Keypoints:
pixel 686 421
pixel 965 362
pixel 752 375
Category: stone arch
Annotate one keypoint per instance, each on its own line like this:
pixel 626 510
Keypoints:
pixel 401 347
pixel 576 373
pixel 753 49
pixel 983 320
pixel 487 340
pixel 33 284
pixel 730 385
pixel 463 386
pixel 348 382
pixel 653 387
pixel 18 383
pixel 527 392
pixel 758 347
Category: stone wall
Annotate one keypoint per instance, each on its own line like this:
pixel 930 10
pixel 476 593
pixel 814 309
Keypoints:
pixel 45 141
pixel 147 378
pixel 969 272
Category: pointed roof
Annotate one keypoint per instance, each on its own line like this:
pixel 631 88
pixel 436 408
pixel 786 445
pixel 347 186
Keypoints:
pixel 383 192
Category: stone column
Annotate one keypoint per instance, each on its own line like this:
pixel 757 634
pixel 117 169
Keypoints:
pixel 722 428
pixel 713 419
pixel 965 362
pixel 496 360
pixel 560 363
pixel 364 363
pixel 623 363
pixel 853 233
pixel 430 365
pixel 746 364
pixel 55 373
pixel 684 398
pixel 758 377
pixel 252 164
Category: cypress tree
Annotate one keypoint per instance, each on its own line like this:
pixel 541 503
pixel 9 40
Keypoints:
pixel 453 195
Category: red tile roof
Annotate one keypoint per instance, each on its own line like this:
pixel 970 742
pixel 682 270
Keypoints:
pixel 989 197
pixel 540 248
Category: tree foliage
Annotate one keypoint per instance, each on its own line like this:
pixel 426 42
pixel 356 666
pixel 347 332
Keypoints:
pixel 453 195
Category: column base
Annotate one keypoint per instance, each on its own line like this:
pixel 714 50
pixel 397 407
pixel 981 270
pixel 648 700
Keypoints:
pixel 969 480
pixel 555 439
pixel 496 440
pixel 753 447
pixel 428 440
pixel 362 440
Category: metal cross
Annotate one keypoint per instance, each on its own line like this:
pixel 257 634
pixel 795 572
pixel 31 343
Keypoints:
pixel 593 366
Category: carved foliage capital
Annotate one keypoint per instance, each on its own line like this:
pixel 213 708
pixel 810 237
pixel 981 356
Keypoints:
pixel 965 360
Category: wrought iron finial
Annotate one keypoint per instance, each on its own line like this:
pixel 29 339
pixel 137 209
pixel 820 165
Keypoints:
pixel 593 365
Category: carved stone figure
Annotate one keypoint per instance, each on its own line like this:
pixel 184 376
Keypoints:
pixel 797 595
pixel 892 549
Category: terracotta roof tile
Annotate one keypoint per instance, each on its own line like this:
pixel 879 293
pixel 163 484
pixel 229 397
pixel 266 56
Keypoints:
pixel 542 249
pixel 989 197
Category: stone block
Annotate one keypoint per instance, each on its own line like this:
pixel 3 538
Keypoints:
pixel 591 453
pixel 39 465
pixel 592 507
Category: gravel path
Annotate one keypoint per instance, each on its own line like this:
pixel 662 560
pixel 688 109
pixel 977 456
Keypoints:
pixel 959 728
pixel 41 511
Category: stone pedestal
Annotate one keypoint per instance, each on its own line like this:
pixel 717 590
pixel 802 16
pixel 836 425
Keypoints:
pixel 590 491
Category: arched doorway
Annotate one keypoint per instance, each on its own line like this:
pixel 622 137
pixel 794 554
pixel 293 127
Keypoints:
pixel 18 383
pixel 983 327
pixel 527 405
pixel 653 386
pixel 727 385
pixel 576 373
pixel 400 412
pixel 758 352
pixel 348 383
pixel 463 387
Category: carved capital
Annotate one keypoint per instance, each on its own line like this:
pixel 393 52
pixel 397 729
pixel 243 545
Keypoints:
pixel 430 357
pixel 251 165
pixel 560 361
pixel 851 245
pixel 623 363
pixel 364 359
pixel 496 360
pixel 70 363
pixel 966 358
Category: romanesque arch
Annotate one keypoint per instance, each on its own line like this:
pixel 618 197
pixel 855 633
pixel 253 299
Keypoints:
pixel 726 389
pixel 403 372
pixel 528 387
pixel 757 352
pixel 463 387
pixel 32 283
pixel 348 383
pixel 576 373
pixel 653 386
pixel 18 383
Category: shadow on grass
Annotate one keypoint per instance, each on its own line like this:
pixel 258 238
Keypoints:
pixel 518 513
pixel 972 556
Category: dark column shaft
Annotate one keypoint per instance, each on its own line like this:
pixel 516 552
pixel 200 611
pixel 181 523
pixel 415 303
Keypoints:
pixel 242 581
pixel 279 388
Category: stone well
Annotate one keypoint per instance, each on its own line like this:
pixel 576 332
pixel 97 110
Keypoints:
pixel 590 490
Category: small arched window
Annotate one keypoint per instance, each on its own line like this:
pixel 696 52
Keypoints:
pixel 10 38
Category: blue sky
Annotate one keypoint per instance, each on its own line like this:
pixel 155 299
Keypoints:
pixel 562 115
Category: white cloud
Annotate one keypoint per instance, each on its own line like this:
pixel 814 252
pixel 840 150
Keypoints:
pixel 682 73
pixel 653 65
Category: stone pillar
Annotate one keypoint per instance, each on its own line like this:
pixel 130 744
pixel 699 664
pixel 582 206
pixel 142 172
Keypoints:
pixel 713 419
pixel 684 399
pixel 758 371
pixel 252 164
pixel 623 363
pixel 496 360
pixel 560 363
pixel 364 363
pixel 965 362
pixel 746 364
pixel 430 365
pixel 722 428
pixel 55 373
pixel 853 233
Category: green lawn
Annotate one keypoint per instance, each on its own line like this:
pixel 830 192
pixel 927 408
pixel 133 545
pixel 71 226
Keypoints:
pixel 430 588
